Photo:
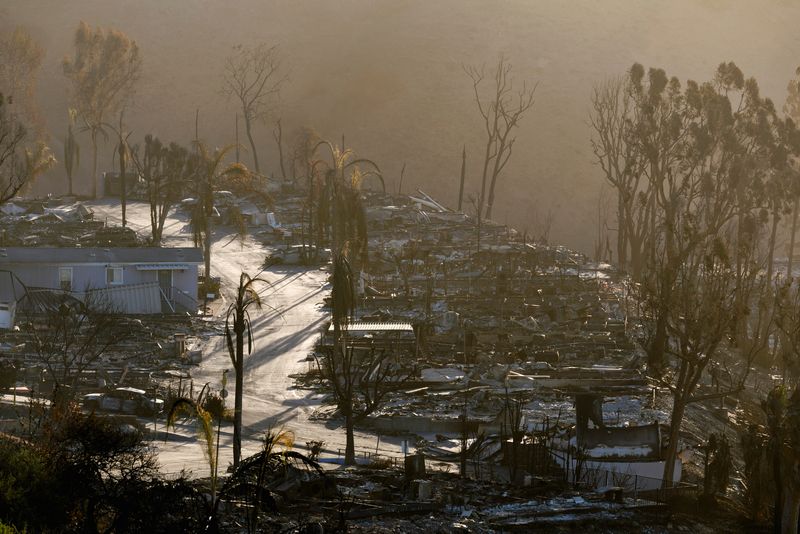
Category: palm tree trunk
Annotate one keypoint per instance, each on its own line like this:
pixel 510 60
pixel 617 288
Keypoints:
pixel 247 127
pixel 237 409
pixel 123 193
pixel 94 164
pixel 207 248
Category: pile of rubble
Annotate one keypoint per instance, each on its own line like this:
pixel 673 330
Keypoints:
pixel 153 354
pixel 392 500
pixel 496 315
pixel 511 340
pixel 59 223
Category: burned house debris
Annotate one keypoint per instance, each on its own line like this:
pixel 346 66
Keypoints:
pixel 507 367
pixel 629 456
pixel 295 315
pixel 499 322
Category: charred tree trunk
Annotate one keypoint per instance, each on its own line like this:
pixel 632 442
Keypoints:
pixel 239 328
pixel 678 409
pixel 772 241
pixel 248 130
pixel 279 141
pixel 792 238
pixel 350 445
pixel 123 193
pixel 622 234
pixel 94 164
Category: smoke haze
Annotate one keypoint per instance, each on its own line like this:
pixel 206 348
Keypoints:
pixel 388 76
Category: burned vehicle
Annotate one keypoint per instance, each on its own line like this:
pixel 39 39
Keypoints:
pixel 124 400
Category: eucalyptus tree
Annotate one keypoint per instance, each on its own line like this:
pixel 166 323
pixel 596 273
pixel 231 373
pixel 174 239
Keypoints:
pixel 790 459
pixel 238 326
pixel 704 144
pixel 787 321
pixel 780 448
pixel 20 161
pixel 20 60
pixel 13 139
pixel 23 152
pixel 658 131
pixel 792 110
pixel 103 72
pixel 705 153
pixel 618 153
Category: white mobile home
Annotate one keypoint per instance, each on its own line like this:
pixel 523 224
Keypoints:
pixel 131 280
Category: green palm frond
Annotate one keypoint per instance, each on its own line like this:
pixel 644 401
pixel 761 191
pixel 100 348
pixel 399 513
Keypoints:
pixel 190 407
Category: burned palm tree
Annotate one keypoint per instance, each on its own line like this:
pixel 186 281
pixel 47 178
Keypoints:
pixel 340 212
pixel 257 477
pixel 72 150
pixel 204 410
pixel 237 326
pixel 186 406
pixel 338 366
pixel 210 171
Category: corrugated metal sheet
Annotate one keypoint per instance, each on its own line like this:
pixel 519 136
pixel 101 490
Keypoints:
pixel 134 299
pixel 76 255
pixel 162 267
pixel 377 327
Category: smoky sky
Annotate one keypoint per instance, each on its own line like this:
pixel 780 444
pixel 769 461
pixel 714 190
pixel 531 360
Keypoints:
pixel 388 76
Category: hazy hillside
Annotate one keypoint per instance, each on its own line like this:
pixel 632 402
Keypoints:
pixel 388 76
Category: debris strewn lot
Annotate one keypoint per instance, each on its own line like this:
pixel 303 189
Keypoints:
pixel 493 334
